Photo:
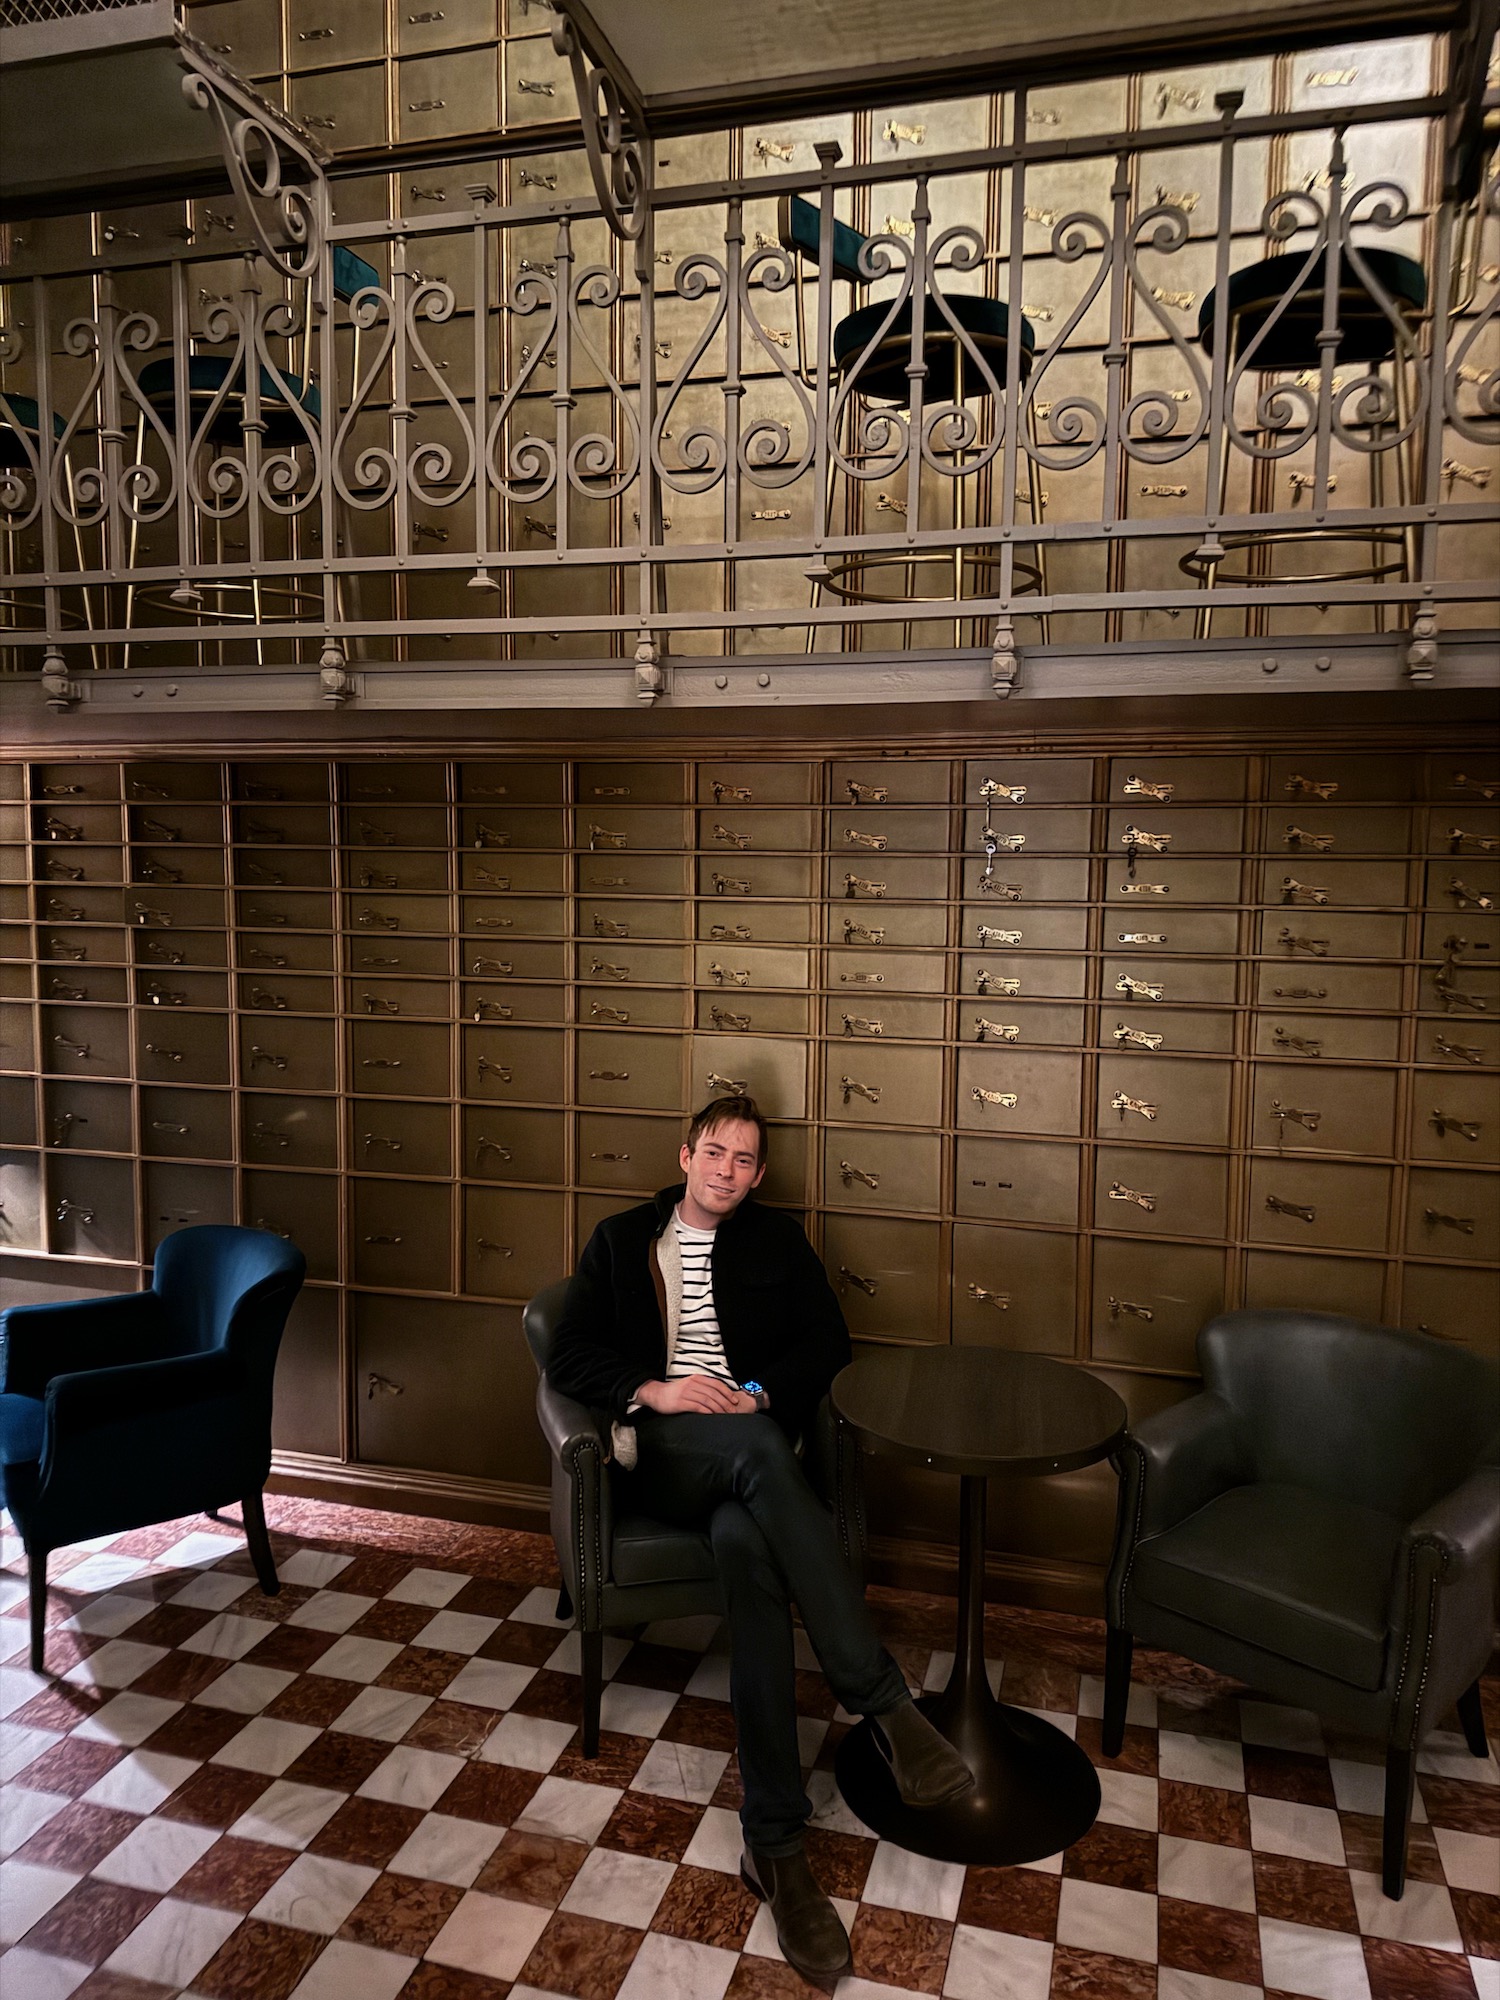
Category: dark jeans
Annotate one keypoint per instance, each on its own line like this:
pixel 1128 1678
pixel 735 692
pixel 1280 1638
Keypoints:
pixel 740 1480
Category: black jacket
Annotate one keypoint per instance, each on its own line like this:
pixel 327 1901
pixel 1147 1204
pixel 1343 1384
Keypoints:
pixel 780 1322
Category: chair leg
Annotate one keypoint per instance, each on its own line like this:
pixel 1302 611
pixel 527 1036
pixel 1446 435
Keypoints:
pixel 564 1602
pixel 1400 1779
pixel 36 1565
pixel 1119 1649
pixel 1471 1716
pixel 253 1508
pixel 593 1688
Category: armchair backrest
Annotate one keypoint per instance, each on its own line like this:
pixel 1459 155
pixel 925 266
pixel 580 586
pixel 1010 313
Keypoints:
pixel 222 1286
pixel 1386 1419
pixel 539 1321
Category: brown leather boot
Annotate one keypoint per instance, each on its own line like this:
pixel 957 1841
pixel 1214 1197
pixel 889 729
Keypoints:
pixel 807 1925
pixel 927 1769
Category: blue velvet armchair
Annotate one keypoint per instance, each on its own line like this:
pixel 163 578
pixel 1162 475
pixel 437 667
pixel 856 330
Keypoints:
pixel 118 1412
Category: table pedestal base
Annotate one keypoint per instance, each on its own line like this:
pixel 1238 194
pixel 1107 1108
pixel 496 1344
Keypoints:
pixel 1035 1791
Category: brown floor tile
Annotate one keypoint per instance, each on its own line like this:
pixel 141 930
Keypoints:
pixel 532 1868
pixel 522 1644
pixel 1194 1714
pixel 195 1732
pixel 497 1794
pixel 1040 1684
pixel 667 1667
pixel 1204 1812
pixel 729 1793
pixel 77 1838
pixel 106 1985
pixel 897 1948
pixel 1284 1774
pixel 367 1831
pixel 402 1914
pixel 708 1906
pixel 169 1625
pixel 813 1695
pixel 337 1760
pixel 1096 1975
pixel 1020 1900
pixel 69 1767
pixel 180 1676
pixel 484 1597
pixel 644 1824
pixel 1478 1922
pixel 507 1553
pixel 1457 1803
pixel 582 1956
pixel 234 1874
pixel 61 1650
pixel 1362 1845
pixel 555 1697
pixel 1410 1972
pixel 314 1698
pixel 215 1796
pixel 840 1861
pixel 144 1543
pixel 445 1982
pixel 373 1572
pixel 709 1724
pixel 258 1962
pixel 1137 1752
pixel 90 1920
pixel 1304 1892
pixel 1123 1856
pixel 620 1757
pixel 297 1648
pixel 389 1618
pixel 1196 1937
pixel 456 1727
pixel 421 1670
pixel 771 1979
pixel 61 1707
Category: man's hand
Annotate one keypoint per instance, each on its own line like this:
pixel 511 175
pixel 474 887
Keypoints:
pixel 700 1395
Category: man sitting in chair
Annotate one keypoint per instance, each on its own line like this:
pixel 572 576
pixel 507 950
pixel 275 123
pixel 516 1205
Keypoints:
pixel 705 1325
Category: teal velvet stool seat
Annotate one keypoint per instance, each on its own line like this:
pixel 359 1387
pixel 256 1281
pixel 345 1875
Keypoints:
pixel 1282 320
pixel 119 1412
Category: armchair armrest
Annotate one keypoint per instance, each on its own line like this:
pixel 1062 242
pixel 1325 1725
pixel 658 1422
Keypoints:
pixel 582 1509
pixel 1443 1591
pixel 1175 1463
pixel 40 1342
pixel 88 1399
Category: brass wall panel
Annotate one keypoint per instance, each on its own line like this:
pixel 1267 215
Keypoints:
pixel 1304 981
pixel 884 1170
pixel 90 1117
pixel 399 1059
pixel 1150 1299
pixel 1151 1096
pixel 899 925
pixel 1014 1288
pixel 1160 1194
pixel 307 1209
pixel 181 1124
pixel 402 1234
pixel 1456 1120
pixel 1352 1285
pixel 1316 1203
pixel 888 1275
pixel 513 1240
pixel 640 1007
pixel 309 1377
pixel 1017 1090
pixel 989 1019
pixel 185 1048
pixel 404 1370
pixel 398 1138
pixel 1016 1180
pixel 84 1041
pixel 889 781
pixel 1038 878
pixel 880 1084
pixel 739 1012
pixel 773 1072
pixel 874 968
pixel 1328 1037
pixel 1163 881
pixel 631 1071
pixel 729 879
pixel 620 1152
pixel 176 1196
pixel 1316 882
pixel 1452 1215
pixel 289 1131
pixel 1149 781
pixel 1179 829
pixel 1332 1111
pixel 600 918
pixel 1200 1029
pixel 1043 780
pixel 1453 1304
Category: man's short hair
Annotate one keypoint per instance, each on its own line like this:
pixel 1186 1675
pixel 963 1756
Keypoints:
pixel 729 1111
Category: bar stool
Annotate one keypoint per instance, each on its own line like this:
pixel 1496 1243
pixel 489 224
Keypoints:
pixel 883 380
pixel 1289 345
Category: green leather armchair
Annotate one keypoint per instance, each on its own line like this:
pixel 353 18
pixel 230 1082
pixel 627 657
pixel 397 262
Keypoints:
pixel 1323 1522
pixel 620 1568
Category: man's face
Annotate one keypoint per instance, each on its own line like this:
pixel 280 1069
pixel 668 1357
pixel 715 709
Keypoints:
pixel 722 1168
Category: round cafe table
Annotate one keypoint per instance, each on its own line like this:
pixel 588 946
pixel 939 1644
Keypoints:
pixel 978 1412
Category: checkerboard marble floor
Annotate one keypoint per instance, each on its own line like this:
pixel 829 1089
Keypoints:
pixel 370 1786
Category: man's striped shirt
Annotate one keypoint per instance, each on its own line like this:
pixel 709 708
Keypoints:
pixel 700 1346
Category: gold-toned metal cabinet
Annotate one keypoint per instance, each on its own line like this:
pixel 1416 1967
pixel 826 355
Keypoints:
pixel 630 875
pixel 441 96
pixel 889 1276
pixel 870 879
pixel 59 827
pixel 1463 830
pixel 163 909
pixel 307 1402
pixel 18 1110
pixel 1007 974
pixel 757 923
pixel 884 1085
pixel 399 1059
pixel 628 964
pixel 1158 882
pixel 270 782
pixel 186 1124
pixel 274 993
pixel 1210 933
pixel 764 784
pixel 859 834
pixel 910 925
pixel 289 1131
pixel 788 1169
pixel 1025 829
pixel 1466 886
pixel 644 783
pixel 1453 1215
pixel 176 1196
pixel 402 1235
pixel 857 1016
pixel 1018 1090
pixel 482 828
pixel 1318 779
pixel 1315 882
pixel 886 1170
pixel 21 1226
pixel 196 866
pixel 733 967
pixel 84 1041
pixel 1328 1037
pixel 774 1073
pixel 76 905
pixel 624 1152
pixel 491 917
pixel 601 827
pixel 1129 982
pixel 600 919
pixel 276 909
pixel 18 1038
pixel 636 1072
pixel 729 878
pixel 1169 1030
pixel 501 1144
pixel 87 1117
pixel 1459 1045
pixel 1161 1193
pixel 880 781
pixel 390 1137
pixel 411 999
pixel 520 874
pixel 505 1065
pixel 1297 1110
pixel 423 872
pixel 1014 1288
pixel 997 781
pixel 104 986
pixel 1453 1304
pixel 73 945
pixel 289 1055
pixel 1352 1285
pixel 1456 1120
pixel 729 830
pixel 518 782
pixel 305 1208
pixel 1017 1180
pixel 54 866
pixel 639 1007
pixel 1003 1019
pixel 387 916
pixel 326 32
pixel 70 782
pixel 1472 938
pixel 1319 1203
pixel 1303 833
pixel 253 828
pixel 182 1048
pixel 1147 781
pixel 405 1409
pixel 293 951
pixel 513 1241
pixel 1151 831
pixel 1010 879
pixel 1173 1100
pixel 344 107
pixel 1150 1299
pixel 1314 983
pixel 90 1209
pixel 480 1000
pixel 1459 991
pixel 875 968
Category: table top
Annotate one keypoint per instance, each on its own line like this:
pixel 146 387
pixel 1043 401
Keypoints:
pixel 979 1410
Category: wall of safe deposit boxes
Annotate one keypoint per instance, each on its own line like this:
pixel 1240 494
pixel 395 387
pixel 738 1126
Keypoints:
pixel 1063 1052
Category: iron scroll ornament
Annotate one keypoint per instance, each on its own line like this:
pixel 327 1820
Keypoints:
pixel 619 164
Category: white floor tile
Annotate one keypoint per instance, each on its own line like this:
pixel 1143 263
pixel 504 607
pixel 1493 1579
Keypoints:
pixel 1128 1799
pixel 456 1632
pixel 23 1813
pixel 1277 1728
pixel 116 1664
pixel 100 1572
pixel 1174 1985
pixel 1445 1754
pixel 635 1711
pixel 673 1968
pixel 1200 1760
pixel 384 1713
pixel 427 1586
pixel 245 1689
pixel 901 1880
pixel 266 1745
pixel 1485 1973
pixel 1095 1916
pixel 174 1942
pixel 106 1617
pixel 812 1733
pixel 288 1814
pixel 829 1809
pixel 313 1569
pixel 315 1894
pixel 32 1975
pixel 156 1854
pixel 539 1607
pixel 489 1683
pixel 1325 1965
pixel 1360 1788
pixel 140 1782
pixel 568 1656
pixel 18 1685
pixel 442 1849
pixel 490 1935
pixel 229 1635
pixel 347 1971
pixel 529 1742
pixel 709 1680
pixel 994 1965
pixel 761 1940
pixel 1423 1916
pixel 718 1842
pixel 681 1771
pixel 570 1810
pixel 412 1777
pixel 619 1888
pixel 1140 1707
pixel 356 1659
pixel 211 1590
pixel 198 1549
pixel 332 1611
pixel 1309 1833
pixel 1200 1871
pixel 27 1893
pixel 20 1746
pixel 127 1718
pixel 1470 1860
